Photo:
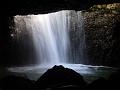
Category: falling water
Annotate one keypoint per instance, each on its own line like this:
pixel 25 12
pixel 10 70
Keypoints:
pixel 51 36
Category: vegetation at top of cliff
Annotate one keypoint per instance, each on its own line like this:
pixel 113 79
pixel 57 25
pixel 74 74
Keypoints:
pixel 114 8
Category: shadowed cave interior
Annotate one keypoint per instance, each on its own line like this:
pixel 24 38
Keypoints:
pixel 64 45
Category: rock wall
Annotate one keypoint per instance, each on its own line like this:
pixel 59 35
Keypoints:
pixel 102 28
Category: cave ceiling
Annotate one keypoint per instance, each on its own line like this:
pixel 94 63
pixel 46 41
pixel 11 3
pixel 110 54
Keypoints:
pixel 23 7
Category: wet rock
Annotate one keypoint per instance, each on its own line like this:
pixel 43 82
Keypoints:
pixel 58 76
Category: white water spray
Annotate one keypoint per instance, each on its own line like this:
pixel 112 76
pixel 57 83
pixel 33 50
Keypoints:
pixel 51 36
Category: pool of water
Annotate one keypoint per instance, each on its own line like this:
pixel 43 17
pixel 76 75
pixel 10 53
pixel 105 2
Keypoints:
pixel 89 72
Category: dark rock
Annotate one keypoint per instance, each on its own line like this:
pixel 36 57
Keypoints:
pixel 114 81
pixel 15 83
pixel 69 87
pixel 99 84
pixel 102 37
pixel 45 6
pixel 58 76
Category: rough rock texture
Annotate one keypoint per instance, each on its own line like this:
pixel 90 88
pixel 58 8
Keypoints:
pixel 102 35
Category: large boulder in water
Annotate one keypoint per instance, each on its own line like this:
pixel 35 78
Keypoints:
pixel 58 76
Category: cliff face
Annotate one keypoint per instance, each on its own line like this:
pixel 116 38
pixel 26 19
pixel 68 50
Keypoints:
pixel 102 27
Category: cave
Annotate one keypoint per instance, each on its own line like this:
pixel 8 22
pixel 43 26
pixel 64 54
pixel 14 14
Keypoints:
pixel 79 34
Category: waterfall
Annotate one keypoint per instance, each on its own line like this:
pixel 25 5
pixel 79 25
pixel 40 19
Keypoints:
pixel 52 38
